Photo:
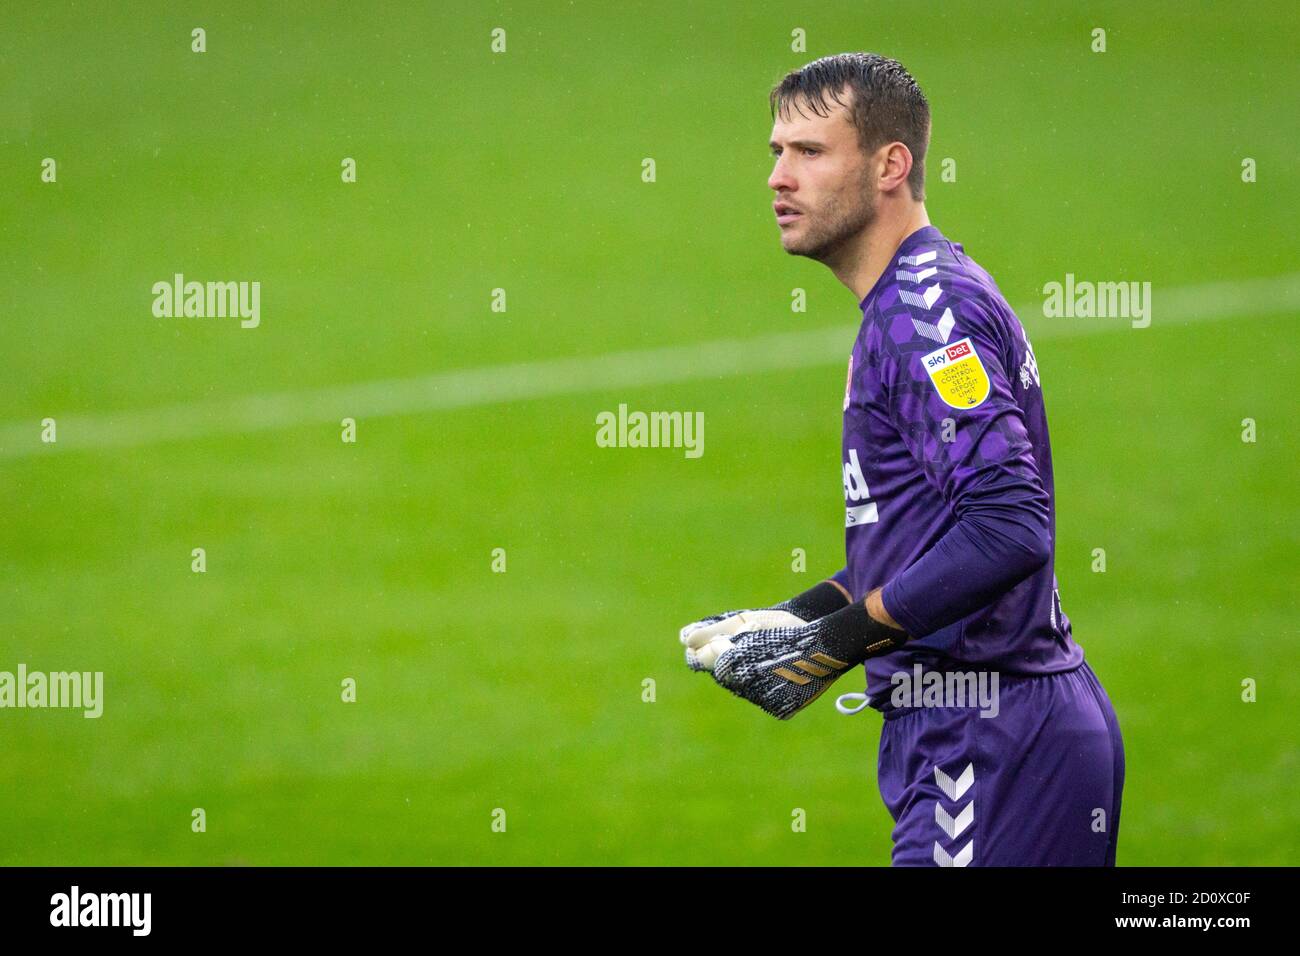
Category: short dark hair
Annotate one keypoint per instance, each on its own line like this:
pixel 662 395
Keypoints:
pixel 887 104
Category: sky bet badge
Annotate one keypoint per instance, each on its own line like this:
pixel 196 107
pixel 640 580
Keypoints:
pixel 957 374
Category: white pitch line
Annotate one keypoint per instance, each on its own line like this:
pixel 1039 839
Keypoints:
pixel 494 384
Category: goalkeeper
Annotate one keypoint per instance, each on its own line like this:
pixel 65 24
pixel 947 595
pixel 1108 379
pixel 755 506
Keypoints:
pixel 949 510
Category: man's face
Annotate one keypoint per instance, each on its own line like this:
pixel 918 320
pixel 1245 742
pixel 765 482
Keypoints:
pixel 824 193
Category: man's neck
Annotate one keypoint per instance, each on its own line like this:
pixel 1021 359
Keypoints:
pixel 866 260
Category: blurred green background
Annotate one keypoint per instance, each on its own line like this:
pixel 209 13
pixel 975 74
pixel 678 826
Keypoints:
pixel 522 171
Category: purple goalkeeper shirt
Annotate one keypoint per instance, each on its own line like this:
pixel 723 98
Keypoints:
pixel 948 473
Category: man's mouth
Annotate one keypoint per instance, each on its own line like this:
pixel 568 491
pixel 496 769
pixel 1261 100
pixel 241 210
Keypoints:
pixel 785 213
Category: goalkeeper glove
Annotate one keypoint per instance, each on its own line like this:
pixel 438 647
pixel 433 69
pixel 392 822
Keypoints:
pixel 708 638
pixel 784 669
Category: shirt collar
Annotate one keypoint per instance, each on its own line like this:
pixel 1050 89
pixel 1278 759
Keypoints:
pixel 920 236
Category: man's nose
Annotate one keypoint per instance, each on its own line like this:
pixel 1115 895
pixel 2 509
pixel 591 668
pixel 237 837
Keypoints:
pixel 781 180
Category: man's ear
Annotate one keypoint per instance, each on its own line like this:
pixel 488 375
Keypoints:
pixel 896 166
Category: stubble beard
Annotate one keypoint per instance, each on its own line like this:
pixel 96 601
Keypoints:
pixel 832 231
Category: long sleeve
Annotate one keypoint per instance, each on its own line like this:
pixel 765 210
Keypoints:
pixel 985 472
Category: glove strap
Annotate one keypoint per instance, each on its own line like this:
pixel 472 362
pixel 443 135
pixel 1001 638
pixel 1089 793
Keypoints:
pixel 852 635
pixel 818 601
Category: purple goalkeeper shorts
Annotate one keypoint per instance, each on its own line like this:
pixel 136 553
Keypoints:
pixel 1039 784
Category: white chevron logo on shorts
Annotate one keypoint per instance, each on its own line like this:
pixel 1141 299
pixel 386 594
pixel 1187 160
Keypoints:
pixel 954 826
pixel 902 275
pixel 938 332
pixel 954 790
pixel 918 260
pixel 963 857
pixel 922 300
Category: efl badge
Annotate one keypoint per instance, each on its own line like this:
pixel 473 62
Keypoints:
pixel 957 374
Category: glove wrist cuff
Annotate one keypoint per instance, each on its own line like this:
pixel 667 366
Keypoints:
pixel 852 635
pixel 817 602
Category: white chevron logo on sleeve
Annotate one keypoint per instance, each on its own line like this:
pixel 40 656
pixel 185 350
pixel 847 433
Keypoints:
pixel 954 790
pixel 954 826
pixel 918 260
pixel 963 858
pixel 921 300
pixel 902 275
pixel 939 332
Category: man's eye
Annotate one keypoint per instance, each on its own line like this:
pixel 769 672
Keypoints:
pixel 811 152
